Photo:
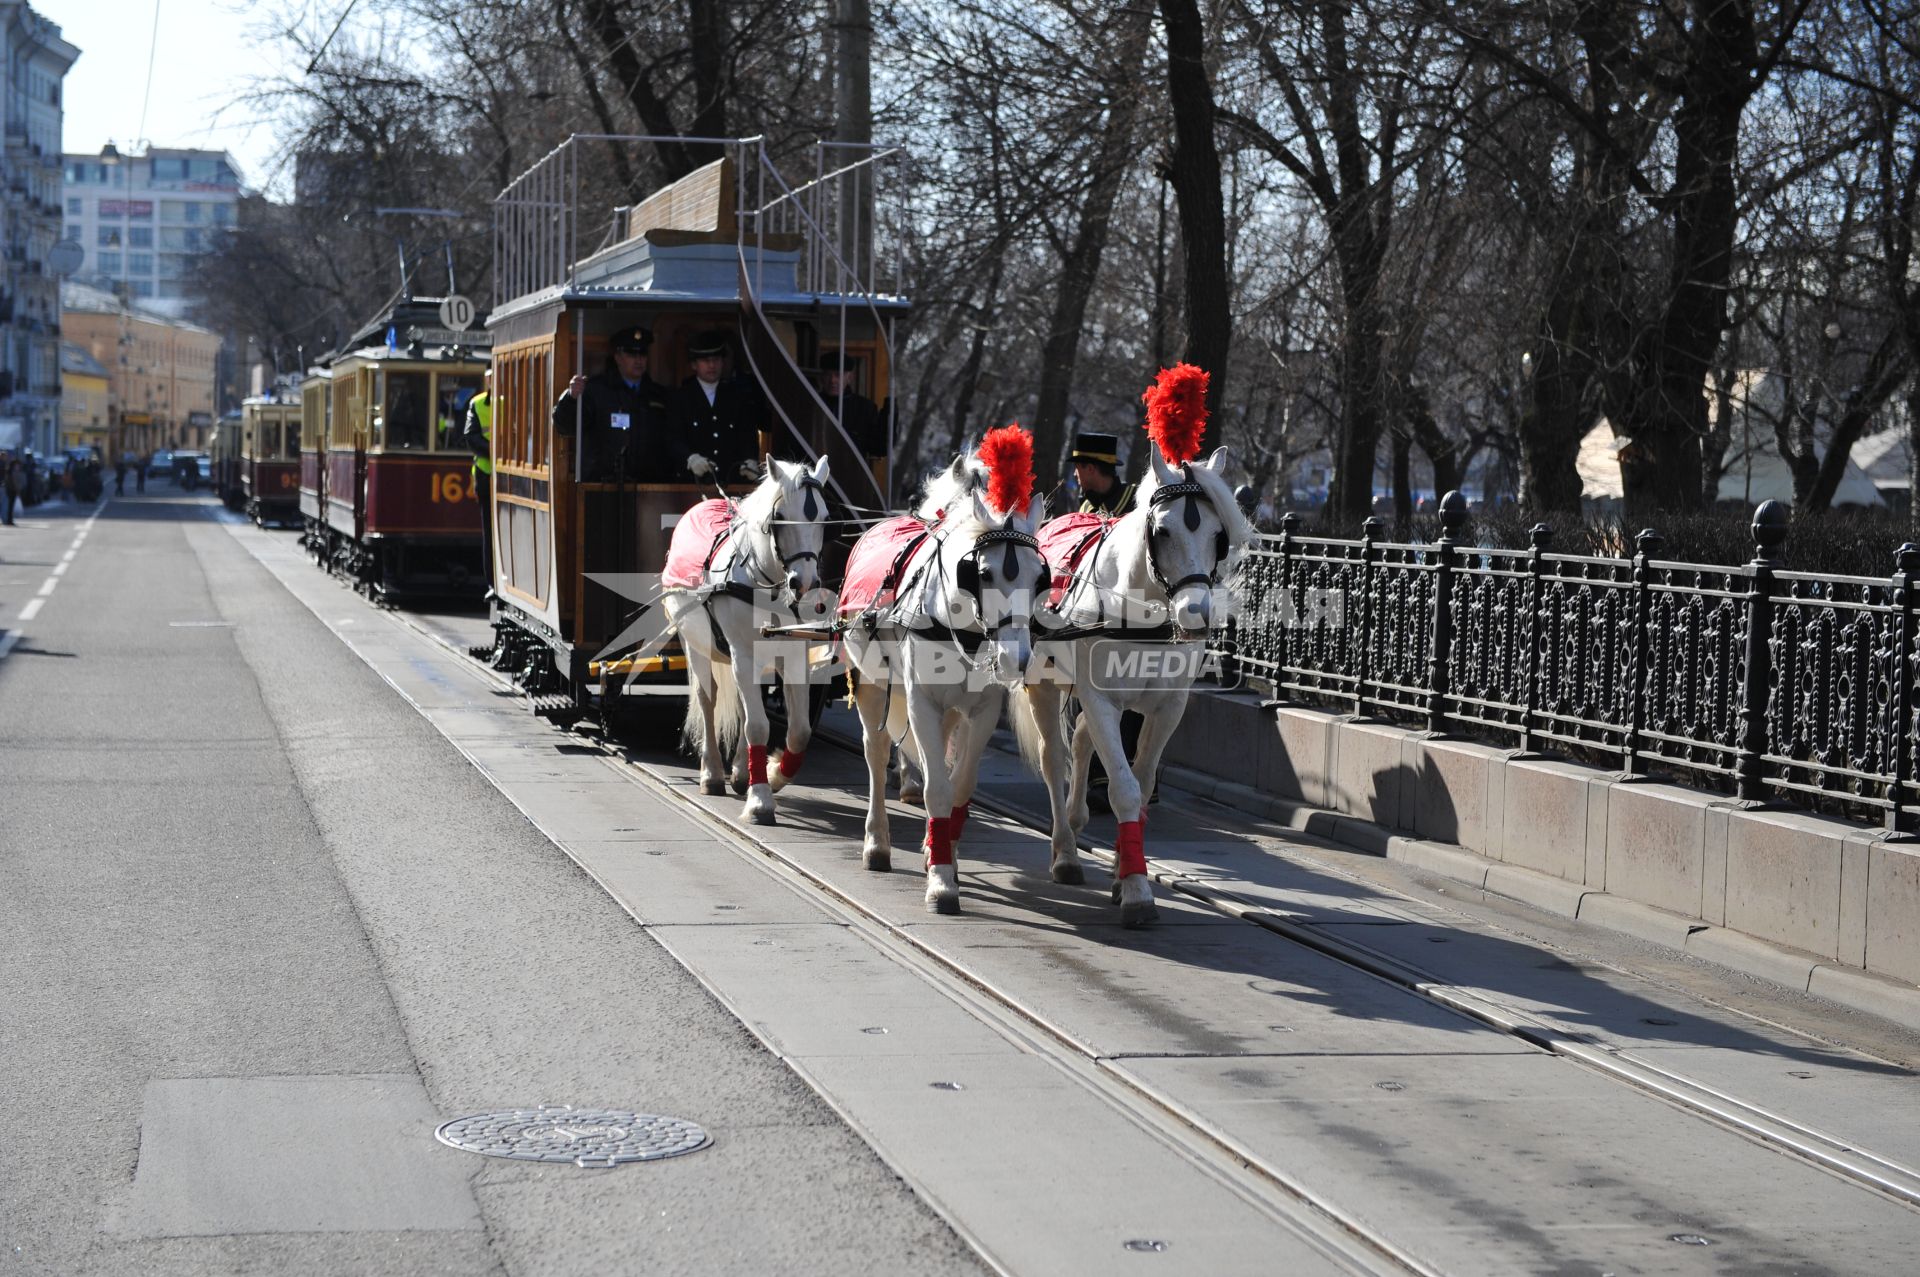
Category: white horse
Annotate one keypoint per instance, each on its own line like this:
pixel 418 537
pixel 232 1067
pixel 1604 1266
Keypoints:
pixel 752 572
pixel 1140 592
pixel 933 662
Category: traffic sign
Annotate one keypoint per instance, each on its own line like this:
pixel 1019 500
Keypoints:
pixel 457 313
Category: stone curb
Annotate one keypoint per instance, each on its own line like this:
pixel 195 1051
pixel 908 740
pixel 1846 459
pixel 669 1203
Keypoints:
pixel 1804 972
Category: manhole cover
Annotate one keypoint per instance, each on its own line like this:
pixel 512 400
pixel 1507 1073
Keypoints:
pixel 582 1137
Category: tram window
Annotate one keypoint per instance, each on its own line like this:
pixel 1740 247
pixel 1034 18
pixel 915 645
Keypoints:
pixel 293 439
pixel 450 415
pixel 267 445
pixel 405 421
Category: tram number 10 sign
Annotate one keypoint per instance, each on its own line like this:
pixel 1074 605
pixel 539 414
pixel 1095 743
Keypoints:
pixel 452 487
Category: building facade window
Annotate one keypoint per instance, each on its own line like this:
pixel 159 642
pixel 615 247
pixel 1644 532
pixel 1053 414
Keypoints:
pixel 108 237
pixel 75 207
pixel 140 237
pixel 140 263
pixel 110 263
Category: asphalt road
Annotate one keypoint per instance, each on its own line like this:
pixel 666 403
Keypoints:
pixel 262 926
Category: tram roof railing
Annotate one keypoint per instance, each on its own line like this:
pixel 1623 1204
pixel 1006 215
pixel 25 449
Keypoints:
pixel 543 230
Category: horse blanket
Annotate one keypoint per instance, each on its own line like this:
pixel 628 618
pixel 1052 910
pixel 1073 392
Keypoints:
pixel 1064 542
pixel 695 539
pixel 878 562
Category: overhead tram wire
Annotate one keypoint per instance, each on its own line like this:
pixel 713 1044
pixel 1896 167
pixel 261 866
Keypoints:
pixel 153 46
pixel 326 44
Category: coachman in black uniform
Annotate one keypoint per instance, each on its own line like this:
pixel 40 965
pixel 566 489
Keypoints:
pixel 719 418
pixel 861 417
pixel 1096 465
pixel 628 426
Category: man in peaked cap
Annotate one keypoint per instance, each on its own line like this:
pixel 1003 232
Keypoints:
pixel 719 417
pixel 628 426
pixel 1096 467
pixel 839 373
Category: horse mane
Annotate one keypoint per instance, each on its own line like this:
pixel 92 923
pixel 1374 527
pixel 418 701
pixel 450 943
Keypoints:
pixel 757 506
pixel 1240 529
pixel 945 491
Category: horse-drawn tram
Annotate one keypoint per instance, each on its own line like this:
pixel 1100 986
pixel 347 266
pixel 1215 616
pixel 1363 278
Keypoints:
pixel 268 463
pixel 767 285
pixel 386 490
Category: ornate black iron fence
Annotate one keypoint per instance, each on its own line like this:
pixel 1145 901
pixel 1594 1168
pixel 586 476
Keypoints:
pixel 1757 681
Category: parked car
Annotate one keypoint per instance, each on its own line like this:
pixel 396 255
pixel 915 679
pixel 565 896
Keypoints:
pixel 160 465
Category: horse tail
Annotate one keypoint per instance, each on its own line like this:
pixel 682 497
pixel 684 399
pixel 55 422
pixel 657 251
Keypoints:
pixel 728 716
pixel 1026 727
pixel 896 711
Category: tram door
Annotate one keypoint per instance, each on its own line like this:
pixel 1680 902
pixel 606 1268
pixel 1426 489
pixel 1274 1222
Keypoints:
pixel 363 426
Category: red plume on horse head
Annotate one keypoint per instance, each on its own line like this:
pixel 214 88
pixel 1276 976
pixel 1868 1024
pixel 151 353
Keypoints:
pixel 1008 455
pixel 1177 412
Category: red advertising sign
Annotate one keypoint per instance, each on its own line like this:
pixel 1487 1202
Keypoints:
pixel 126 208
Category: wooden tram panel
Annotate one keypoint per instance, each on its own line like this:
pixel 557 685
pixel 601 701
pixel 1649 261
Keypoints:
pixel 316 418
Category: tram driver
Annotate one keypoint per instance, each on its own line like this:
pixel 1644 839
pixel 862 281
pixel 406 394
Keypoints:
pixel 627 423
pixel 719 418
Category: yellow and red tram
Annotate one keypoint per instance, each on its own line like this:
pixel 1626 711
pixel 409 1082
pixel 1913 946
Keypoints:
pixel 572 558
pixel 387 491
pixel 269 459
pixel 316 418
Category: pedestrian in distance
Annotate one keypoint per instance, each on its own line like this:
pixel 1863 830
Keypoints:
pixel 140 472
pixel 719 417
pixel 626 424
pixel 15 478
pixel 120 477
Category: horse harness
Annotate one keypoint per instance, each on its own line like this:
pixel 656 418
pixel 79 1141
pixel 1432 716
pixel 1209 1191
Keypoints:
pixel 1192 492
pixel 966 575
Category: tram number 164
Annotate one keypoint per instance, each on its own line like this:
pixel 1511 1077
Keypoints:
pixel 452 487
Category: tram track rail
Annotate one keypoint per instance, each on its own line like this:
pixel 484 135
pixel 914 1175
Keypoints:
pixel 1291 1200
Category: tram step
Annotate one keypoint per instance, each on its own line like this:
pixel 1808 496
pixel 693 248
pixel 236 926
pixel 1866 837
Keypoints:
pixel 555 705
pixel 481 651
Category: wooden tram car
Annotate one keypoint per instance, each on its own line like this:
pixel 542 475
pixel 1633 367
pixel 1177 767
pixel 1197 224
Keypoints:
pixel 268 460
pixel 392 505
pixel 223 456
pixel 695 256
pixel 316 419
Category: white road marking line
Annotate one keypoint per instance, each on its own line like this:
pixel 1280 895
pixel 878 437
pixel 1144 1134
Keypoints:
pixel 60 567
pixel 31 610
pixel 46 586
pixel 7 639
pixel 68 556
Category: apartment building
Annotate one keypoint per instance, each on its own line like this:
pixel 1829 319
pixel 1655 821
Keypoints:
pixel 34 61
pixel 142 216
pixel 161 371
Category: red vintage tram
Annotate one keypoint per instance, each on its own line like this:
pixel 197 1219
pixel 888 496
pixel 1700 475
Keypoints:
pixel 269 459
pixel 388 497
pixel 789 270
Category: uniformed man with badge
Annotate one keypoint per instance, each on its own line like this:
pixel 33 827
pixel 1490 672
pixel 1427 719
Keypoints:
pixel 1096 469
pixel 627 424
pixel 719 418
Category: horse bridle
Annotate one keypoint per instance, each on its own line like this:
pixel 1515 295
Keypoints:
pixel 966 575
pixel 1194 492
pixel 815 496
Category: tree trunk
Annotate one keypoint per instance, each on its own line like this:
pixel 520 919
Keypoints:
pixel 1675 356
pixel 1402 479
pixel 709 32
pixel 1082 264
pixel 1194 172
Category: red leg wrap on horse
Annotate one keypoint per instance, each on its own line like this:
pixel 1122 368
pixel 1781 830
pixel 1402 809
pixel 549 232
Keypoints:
pixel 939 840
pixel 790 761
pixel 1130 849
pixel 756 764
pixel 958 821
